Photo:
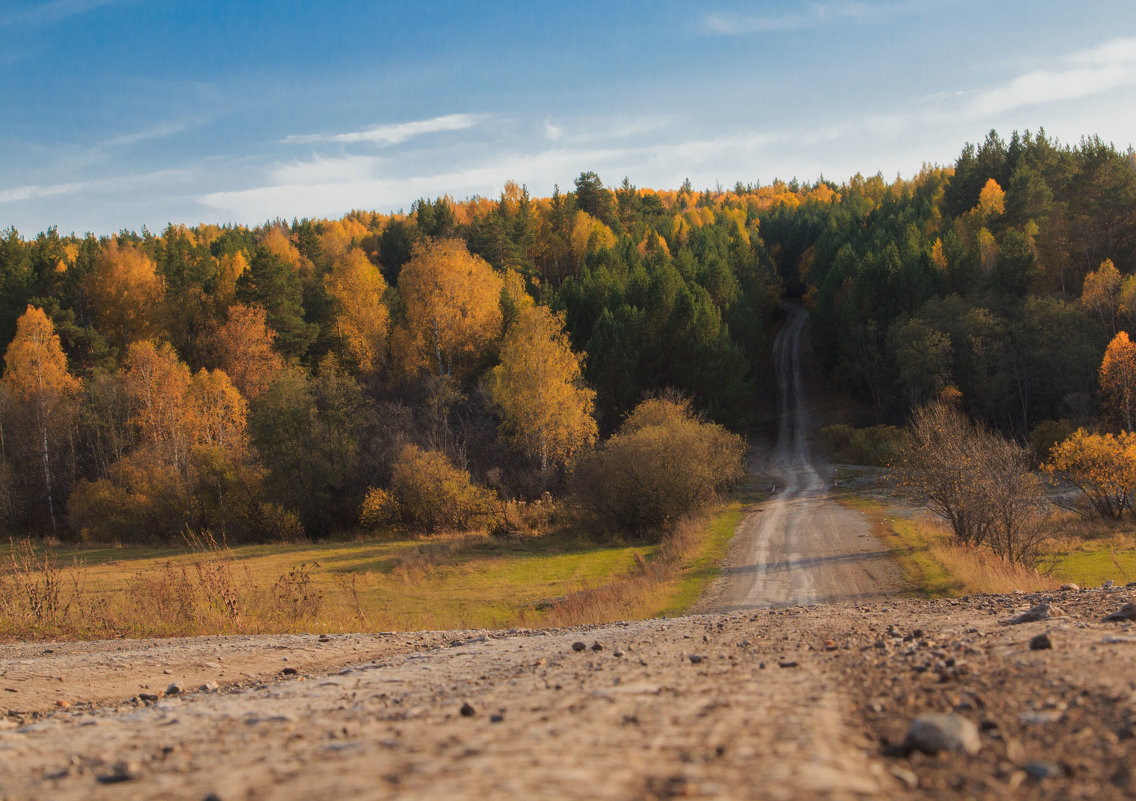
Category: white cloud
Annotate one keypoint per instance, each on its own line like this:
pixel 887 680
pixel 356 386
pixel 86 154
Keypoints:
pixel 28 192
pixel 1110 66
pixel 156 132
pixel 815 15
pixel 392 134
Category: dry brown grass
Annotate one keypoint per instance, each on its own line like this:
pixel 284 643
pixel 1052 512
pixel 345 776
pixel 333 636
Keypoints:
pixel 210 592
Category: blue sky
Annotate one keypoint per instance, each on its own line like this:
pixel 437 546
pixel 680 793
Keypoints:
pixel 124 113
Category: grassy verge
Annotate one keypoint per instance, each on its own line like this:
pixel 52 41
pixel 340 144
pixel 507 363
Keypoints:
pixel 1084 552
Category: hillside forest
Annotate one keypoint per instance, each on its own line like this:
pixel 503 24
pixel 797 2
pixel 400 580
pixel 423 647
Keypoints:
pixel 425 369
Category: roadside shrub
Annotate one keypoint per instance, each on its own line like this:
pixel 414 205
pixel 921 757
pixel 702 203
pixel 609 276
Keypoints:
pixel 1047 434
pixel 433 494
pixel 661 464
pixel 976 480
pixel 1101 466
pixel 875 445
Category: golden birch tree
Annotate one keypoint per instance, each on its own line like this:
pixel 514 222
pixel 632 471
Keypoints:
pixel 363 321
pixel 453 307
pixel 1118 378
pixel 37 382
pixel 545 407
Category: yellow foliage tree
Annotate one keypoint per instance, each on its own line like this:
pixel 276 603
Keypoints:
pixel 1101 466
pixel 156 383
pixel 992 200
pixel 1118 378
pixel 38 383
pixel 363 321
pixel 545 408
pixel 589 235
pixel 216 414
pixel 243 348
pixel 1101 292
pixel 127 293
pixel 230 267
pixel 453 307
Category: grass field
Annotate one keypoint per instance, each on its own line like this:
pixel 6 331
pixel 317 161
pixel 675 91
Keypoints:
pixel 467 580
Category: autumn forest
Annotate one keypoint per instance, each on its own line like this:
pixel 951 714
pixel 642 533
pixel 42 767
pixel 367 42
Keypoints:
pixel 428 369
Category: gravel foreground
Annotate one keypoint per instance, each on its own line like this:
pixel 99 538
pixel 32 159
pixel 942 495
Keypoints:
pixel 793 703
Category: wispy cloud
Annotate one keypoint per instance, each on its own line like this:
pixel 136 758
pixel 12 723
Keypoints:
pixel 155 132
pixel 53 11
pixel 1110 66
pixel 21 194
pixel 392 134
pixel 814 15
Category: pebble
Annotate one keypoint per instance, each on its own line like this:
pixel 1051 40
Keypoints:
pixel 695 658
pixel 467 710
pixel 1039 612
pixel 1043 770
pixel 289 671
pixel 175 689
pixel 149 698
pixel 1126 612
pixel 788 663
pixel 1041 642
pixel 209 687
pixel 578 646
pixel 597 647
pixel 121 772
pixel 1070 587
pixel 935 732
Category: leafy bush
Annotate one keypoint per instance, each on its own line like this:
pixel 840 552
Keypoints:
pixel 433 494
pixel 662 463
pixel 379 508
pixel 876 445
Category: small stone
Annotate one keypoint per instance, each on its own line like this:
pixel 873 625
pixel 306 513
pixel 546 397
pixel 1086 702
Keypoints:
pixel 1042 642
pixel 578 646
pixel 209 687
pixel 149 698
pixel 695 658
pixel 1108 584
pixel 1070 587
pixel 497 717
pixel 906 776
pixel 467 710
pixel 617 653
pixel 788 663
pixel 1043 770
pixel 63 704
pixel 121 772
pixel 597 647
pixel 175 689
pixel 830 645
pixel 937 732
pixel 289 671
pixel 1040 612
pixel 1126 612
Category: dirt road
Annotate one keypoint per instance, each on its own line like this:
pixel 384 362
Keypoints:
pixel 802 703
pixel 800 547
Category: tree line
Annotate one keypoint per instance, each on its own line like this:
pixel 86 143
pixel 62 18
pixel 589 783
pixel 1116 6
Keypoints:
pixel 296 379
